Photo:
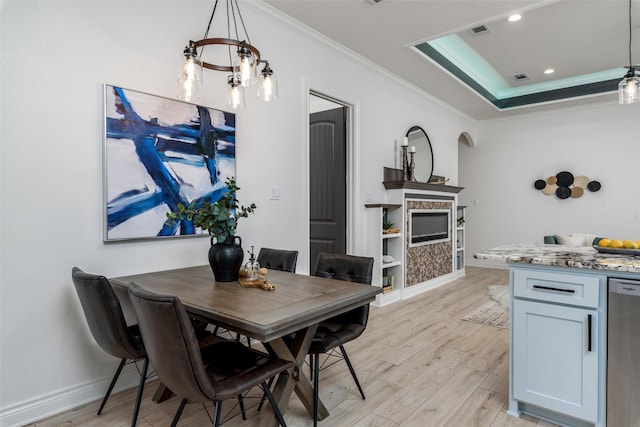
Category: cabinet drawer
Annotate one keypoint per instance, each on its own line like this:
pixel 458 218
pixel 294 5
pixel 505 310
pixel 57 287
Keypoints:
pixel 562 288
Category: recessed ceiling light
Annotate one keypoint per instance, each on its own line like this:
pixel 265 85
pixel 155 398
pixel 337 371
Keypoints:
pixel 515 17
pixel 549 71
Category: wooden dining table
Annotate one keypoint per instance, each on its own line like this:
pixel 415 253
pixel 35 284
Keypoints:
pixel 297 304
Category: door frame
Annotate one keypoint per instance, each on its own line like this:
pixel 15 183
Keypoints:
pixel 352 175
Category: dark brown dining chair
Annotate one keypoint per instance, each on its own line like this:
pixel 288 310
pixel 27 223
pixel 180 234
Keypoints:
pixel 338 330
pixel 107 324
pixel 220 371
pixel 278 259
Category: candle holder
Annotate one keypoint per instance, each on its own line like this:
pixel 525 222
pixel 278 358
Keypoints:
pixel 412 168
pixel 405 166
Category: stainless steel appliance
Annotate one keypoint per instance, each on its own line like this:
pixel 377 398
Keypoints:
pixel 623 360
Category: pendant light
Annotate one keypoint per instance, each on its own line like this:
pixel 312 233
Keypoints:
pixel 244 60
pixel 629 87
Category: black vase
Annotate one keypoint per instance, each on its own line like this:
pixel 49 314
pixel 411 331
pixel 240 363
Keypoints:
pixel 226 258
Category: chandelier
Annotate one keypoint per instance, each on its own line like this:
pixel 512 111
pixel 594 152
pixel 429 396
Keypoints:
pixel 629 87
pixel 242 65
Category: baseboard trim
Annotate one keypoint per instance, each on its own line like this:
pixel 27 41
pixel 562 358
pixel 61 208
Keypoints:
pixel 419 288
pixel 53 403
pixel 489 263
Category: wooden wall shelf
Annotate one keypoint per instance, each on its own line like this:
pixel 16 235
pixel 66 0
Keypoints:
pixel 413 185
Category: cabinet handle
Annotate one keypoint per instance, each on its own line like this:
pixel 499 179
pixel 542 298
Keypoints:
pixel 589 318
pixel 549 288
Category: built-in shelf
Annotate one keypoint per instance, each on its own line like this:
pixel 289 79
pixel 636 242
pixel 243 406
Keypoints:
pixel 460 238
pixel 391 264
pixel 390 235
pixel 390 276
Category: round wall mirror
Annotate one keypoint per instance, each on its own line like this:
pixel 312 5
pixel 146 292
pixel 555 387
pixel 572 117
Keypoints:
pixel 418 138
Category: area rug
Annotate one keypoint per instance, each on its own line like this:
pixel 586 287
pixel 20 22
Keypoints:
pixel 496 311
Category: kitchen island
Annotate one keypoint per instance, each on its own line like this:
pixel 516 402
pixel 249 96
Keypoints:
pixel 558 329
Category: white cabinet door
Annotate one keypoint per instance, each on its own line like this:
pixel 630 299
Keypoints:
pixel 556 358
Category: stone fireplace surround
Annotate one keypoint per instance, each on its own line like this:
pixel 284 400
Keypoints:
pixel 427 262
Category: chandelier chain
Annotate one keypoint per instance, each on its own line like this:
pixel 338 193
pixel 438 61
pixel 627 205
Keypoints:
pixel 242 22
pixel 630 61
pixel 206 33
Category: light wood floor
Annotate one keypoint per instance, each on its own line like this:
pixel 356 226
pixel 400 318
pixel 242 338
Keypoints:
pixel 419 364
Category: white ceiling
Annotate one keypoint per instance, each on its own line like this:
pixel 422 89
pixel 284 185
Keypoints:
pixel 574 37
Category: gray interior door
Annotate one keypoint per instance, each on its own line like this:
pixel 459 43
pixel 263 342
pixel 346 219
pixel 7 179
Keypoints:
pixel 327 192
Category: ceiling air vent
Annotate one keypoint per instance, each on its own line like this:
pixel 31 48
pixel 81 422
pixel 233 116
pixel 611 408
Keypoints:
pixel 520 77
pixel 480 30
pixel 372 2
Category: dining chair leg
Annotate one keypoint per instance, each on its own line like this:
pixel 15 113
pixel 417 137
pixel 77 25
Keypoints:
pixel 178 414
pixel 218 414
pixel 264 395
pixel 241 403
pixel 113 382
pixel 143 378
pixel 316 384
pixel 353 372
pixel 274 405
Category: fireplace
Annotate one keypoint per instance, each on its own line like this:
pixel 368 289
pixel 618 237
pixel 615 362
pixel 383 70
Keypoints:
pixel 428 226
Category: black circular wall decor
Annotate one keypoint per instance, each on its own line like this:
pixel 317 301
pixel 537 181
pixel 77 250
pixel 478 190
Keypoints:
pixel 563 192
pixel 540 184
pixel 565 179
pixel 593 186
pixel 564 185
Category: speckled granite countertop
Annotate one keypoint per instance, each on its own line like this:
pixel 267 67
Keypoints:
pixel 562 256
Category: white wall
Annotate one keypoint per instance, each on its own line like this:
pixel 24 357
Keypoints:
pixel 55 57
pixel 601 141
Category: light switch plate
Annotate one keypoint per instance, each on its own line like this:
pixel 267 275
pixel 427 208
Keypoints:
pixel 274 192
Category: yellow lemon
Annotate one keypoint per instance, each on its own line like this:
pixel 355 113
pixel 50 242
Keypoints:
pixel 615 243
pixel 630 244
pixel 604 243
pixel 638 243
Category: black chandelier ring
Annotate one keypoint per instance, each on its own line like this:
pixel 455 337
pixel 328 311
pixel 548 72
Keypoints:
pixel 225 42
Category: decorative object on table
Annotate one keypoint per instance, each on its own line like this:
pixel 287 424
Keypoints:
pixel 241 70
pixel 252 267
pixel 417 138
pixel 260 281
pixel 159 152
pixel 629 86
pixel 220 219
pixel 564 185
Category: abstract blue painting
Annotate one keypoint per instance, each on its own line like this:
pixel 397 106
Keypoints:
pixel 160 152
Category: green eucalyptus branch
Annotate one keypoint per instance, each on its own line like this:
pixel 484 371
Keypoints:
pixel 220 218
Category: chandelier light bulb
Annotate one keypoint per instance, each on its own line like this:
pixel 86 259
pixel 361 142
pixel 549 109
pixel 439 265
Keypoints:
pixel 268 89
pixel 629 88
pixel 245 65
pixel 236 94
pixel 191 78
